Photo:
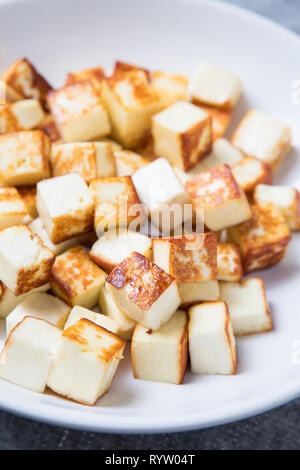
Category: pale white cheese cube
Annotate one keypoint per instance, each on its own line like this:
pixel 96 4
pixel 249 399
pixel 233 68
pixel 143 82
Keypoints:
pixel 8 300
pixel 106 322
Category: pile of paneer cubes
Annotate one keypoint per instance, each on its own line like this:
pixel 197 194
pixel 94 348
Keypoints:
pixel 82 165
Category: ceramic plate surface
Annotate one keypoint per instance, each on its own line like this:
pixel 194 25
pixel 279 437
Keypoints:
pixel 173 35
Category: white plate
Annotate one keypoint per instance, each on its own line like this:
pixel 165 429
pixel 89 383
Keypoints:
pixel 172 35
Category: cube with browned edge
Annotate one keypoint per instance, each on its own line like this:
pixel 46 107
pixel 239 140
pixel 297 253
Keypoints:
pixel 86 362
pixel 12 208
pixel 39 305
pixel 182 133
pixel 90 159
pixel 201 291
pixel 28 353
pixel 170 342
pixel 251 171
pixel 211 341
pixel 96 75
pixel 37 227
pixel 217 196
pixel 109 308
pixel 25 262
pixel 8 300
pixel 8 94
pixel 263 240
pixel 76 279
pixel 130 101
pixel 20 116
pixel 229 262
pixel 116 204
pixel 215 86
pixel 114 246
pixel 285 198
pixel 248 306
pixel 24 157
pixel 220 120
pixel 48 126
pixel 77 313
pixel 28 194
pixel 128 162
pixel 79 112
pixel 65 206
pixel 189 258
pixel 27 81
pixel 162 194
pixel 170 88
pixel 123 68
pixel 145 292
pixel 260 135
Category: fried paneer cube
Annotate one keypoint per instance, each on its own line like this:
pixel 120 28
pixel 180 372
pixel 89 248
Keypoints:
pixel 25 262
pixel 251 171
pixel 90 159
pixel 211 341
pixel 65 206
pixel 79 112
pixel 76 279
pixel 182 133
pixel 114 246
pixel 24 157
pixel 96 75
pixel 12 208
pixel 229 262
pixel 162 194
pixel 217 196
pixel 28 194
pixel 223 152
pixel 170 342
pixel 285 198
pixel 20 116
pixel 201 291
pixel 130 101
pixel 170 88
pixel 215 86
pixel 23 77
pixel 145 292
pixel 263 239
pixel 50 128
pixel 57 248
pixel 39 305
pixel 116 204
pixel 28 353
pixel 128 162
pixel 248 306
pixel 85 362
pixel 220 120
pixel 260 135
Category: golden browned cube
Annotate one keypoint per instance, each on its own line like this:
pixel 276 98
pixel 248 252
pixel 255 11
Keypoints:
pixel 170 88
pixel 25 262
pixel 128 162
pixel 182 133
pixel 263 240
pixel 130 101
pixel 65 206
pixel 96 75
pixel 260 135
pixel 251 171
pixel 90 159
pixel 21 115
pixel 76 279
pixel 12 208
pixel 217 196
pixel 79 112
pixel 23 77
pixel 24 157
pixel 220 120
pixel 285 198
pixel 116 204
pixel 28 194
pixel 145 292
pixel 229 262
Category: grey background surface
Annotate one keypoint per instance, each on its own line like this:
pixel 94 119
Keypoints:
pixel 278 429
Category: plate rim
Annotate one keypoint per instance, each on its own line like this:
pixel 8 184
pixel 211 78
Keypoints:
pixel 109 423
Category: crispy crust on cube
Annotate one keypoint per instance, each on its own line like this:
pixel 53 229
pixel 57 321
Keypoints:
pixel 37 82
pixel 81 159
pixel 131 270
pixel 66 224
pixel 28 194
pixel 71 266
pixel 122 68
pixel 141 90
pixel 265 176
pixel 220 120
pixel 74 333
pixel 263 240
pixel 208 197
pixel 191 139
pixel 229 262
pixel 96 75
